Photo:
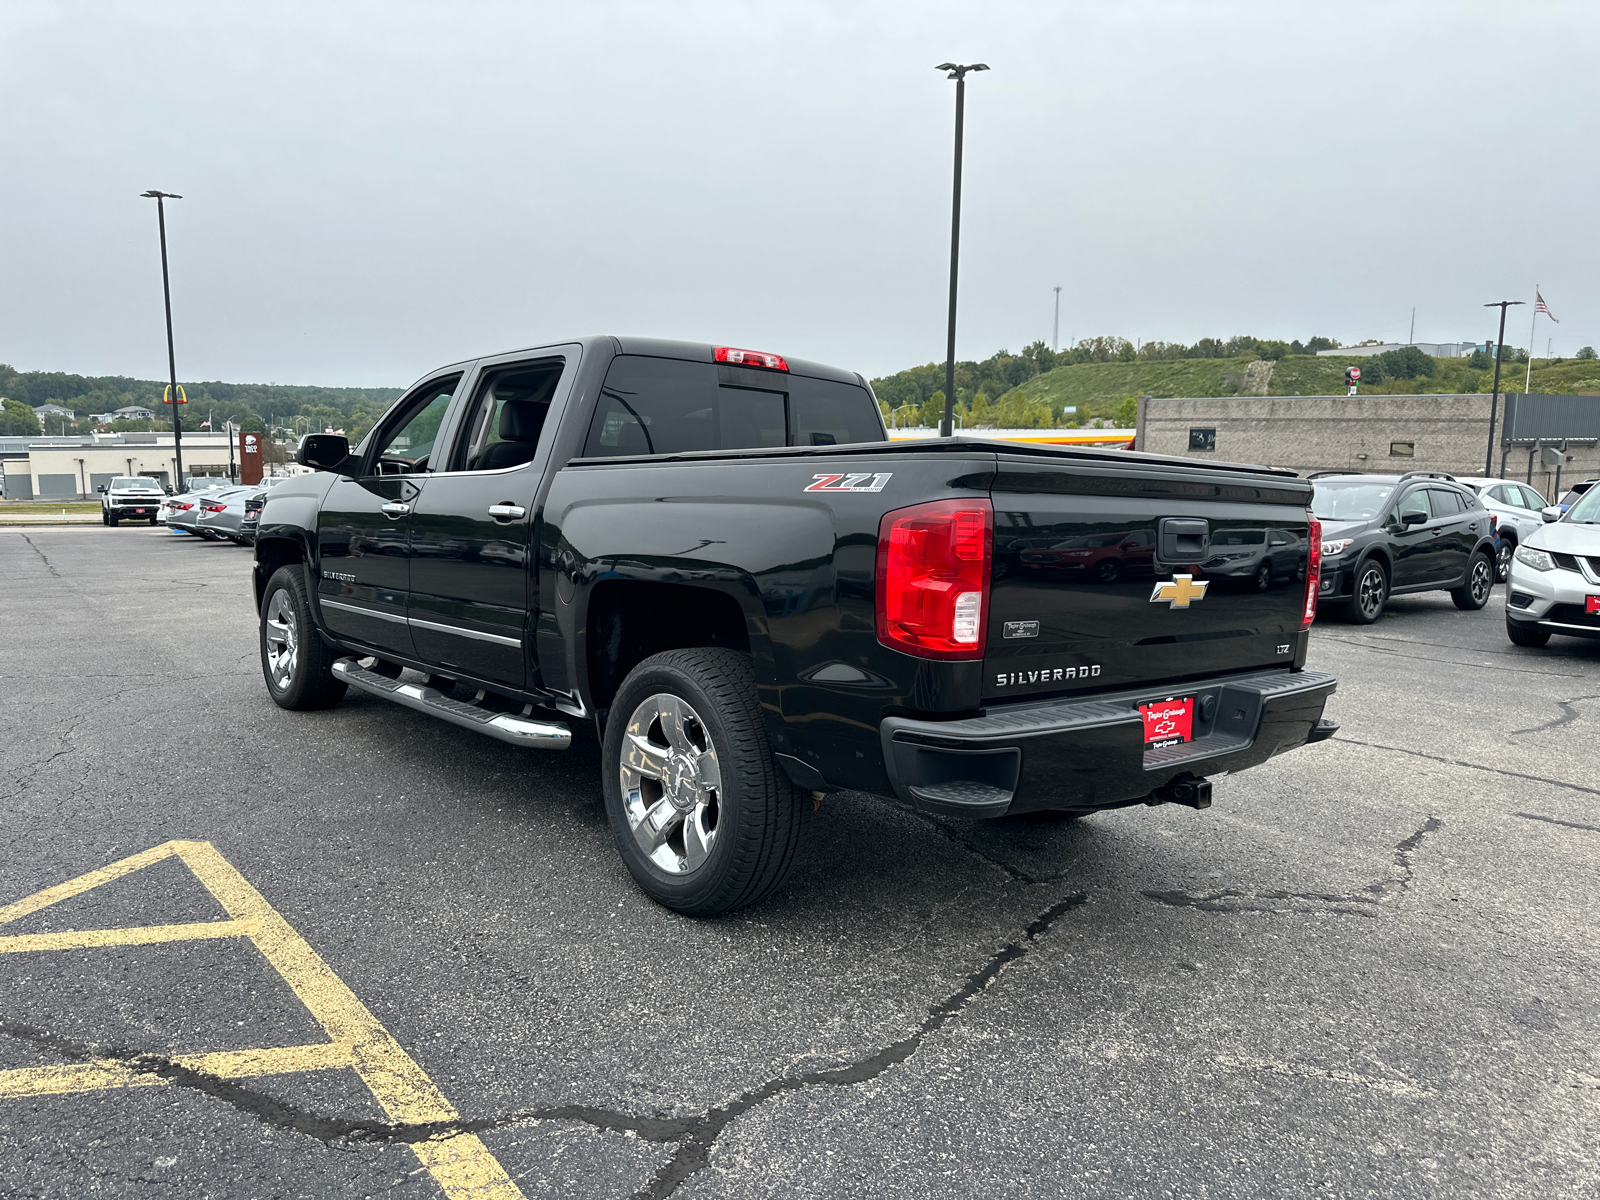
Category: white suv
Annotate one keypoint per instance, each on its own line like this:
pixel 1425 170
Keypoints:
pixel 1516 508
pixel 130 497
pixel 1555 577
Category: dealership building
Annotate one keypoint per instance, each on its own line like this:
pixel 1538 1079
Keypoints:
pixel 74 468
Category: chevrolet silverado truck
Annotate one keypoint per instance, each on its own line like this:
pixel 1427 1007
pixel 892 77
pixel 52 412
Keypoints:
pixel 715 559
pixel 130 498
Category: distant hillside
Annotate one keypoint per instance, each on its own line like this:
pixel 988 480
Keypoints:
pixel 1098 387
pixel 241 403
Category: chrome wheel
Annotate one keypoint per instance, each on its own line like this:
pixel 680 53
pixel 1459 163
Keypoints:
pixel 1369 593
pixel 671 784
pixel 1482 580
pixel 283 639
pixel 1503 560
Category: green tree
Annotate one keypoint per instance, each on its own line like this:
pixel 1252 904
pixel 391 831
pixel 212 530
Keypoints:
pixel 1585 352
pixel 1126 415
pixel 1321 343
pixel 18 420
pixel 1405 363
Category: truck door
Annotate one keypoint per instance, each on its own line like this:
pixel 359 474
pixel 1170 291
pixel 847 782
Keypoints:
pixel 364 526
pixel 472 529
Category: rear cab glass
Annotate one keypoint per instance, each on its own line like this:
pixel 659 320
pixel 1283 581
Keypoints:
pixel 669 406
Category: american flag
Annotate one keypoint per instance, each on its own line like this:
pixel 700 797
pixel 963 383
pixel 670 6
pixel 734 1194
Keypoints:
pixel 1539 306
pixel 206 424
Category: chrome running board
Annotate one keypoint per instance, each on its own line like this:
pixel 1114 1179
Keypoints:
pixel 508 727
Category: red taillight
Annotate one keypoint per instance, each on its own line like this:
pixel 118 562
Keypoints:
pixel 213 508
pixel 1313 575
pixel 751 358
pixel 182 507
pixel 933 578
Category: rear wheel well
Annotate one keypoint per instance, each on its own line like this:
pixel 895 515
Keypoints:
pixel 629 621
pixel 270 555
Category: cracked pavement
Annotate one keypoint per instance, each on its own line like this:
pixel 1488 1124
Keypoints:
pixel 1148 1002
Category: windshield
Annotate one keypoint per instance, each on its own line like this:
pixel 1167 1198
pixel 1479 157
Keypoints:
pixel 1338 501
pixel 138 484
pixel 1587 510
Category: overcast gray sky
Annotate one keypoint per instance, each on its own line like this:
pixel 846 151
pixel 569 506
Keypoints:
pixel 375 189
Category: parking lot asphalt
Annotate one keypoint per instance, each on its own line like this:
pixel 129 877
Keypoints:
pixel 1371 969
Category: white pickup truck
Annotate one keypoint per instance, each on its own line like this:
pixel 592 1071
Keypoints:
pixel 130 497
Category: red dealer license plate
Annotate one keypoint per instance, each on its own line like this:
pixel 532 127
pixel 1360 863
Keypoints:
pixel 1591 604
pixel 1168 722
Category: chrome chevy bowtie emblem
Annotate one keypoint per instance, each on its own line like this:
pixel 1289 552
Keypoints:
pixel 1180 591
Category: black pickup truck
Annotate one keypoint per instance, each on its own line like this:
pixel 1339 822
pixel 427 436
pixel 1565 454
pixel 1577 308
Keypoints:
pixel 716 558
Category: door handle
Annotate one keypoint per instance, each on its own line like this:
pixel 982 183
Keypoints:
pixel 508 512
pixel 396 509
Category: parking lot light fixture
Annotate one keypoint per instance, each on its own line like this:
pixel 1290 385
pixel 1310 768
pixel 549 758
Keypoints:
pixel 958 72
pixel 1494 399
pixel 166 295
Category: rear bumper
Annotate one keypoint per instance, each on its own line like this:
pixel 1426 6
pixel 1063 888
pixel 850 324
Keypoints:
pixel 1089 753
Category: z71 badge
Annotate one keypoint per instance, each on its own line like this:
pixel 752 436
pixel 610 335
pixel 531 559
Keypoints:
pixel 850 483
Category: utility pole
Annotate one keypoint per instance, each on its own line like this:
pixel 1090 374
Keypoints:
pixel 1413 339
pixel 1494 400
pixel 958 72
pixel 1055 329
pixel 166 294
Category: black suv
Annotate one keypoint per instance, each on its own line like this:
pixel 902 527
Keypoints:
pixel 1383 535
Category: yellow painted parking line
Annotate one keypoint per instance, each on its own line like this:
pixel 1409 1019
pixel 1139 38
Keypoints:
pixel 105 1073
pixel 460 1163
pixel 134 935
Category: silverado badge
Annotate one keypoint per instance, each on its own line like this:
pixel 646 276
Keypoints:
pixel 1180 590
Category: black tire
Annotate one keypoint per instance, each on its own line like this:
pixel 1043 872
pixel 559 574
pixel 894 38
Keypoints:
pixel 1526 635
pixel 112 521
pixel 1507 547
pixel 152 522
pixel 308 682
pixel 1264 577
pixel 1474 593
pixel 1107 570
pixel 1368 594
pixel 758 813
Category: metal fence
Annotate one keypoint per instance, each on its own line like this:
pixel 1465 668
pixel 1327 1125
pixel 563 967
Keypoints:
pixel 1532 417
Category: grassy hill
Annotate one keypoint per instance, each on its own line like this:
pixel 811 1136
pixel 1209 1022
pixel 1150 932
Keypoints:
pixel 1096 388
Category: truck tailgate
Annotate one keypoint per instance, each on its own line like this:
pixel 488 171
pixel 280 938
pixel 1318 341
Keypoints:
pixel 1108 578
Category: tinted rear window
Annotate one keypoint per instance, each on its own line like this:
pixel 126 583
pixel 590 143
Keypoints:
pixel 665 406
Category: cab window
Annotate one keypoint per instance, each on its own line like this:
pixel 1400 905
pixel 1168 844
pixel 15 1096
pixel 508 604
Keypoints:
pixel 507 417
pixel 669 406
pixel 407 441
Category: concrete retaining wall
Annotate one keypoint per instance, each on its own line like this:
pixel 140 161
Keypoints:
pixel 1369 434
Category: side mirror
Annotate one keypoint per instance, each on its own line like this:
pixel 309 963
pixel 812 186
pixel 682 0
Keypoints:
pixel 1413 518
pixel 101 489
pixel 324 452
pixel 1552 513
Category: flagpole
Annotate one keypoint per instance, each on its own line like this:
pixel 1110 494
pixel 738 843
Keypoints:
pixel 1532 326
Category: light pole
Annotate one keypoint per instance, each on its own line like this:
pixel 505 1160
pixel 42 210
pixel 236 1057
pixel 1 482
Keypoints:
pixel 958 72
pixel 1055 329
pixel 1494 400
pixel 166 294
